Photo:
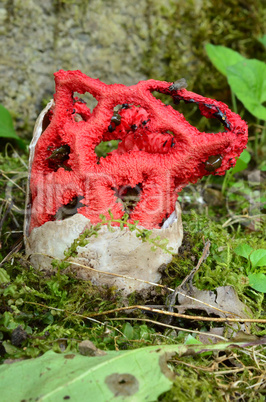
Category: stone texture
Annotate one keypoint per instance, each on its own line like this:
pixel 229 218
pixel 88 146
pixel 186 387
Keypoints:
pixel 104 39
pixel 118 41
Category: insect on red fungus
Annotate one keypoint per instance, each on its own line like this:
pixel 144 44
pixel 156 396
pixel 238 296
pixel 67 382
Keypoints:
pixel 159 151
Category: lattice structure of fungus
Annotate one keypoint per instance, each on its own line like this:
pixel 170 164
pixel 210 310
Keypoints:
pixel 158 154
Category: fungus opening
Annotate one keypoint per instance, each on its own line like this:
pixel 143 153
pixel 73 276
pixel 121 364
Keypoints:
pixel 86 98
pixel 128 197
pixel 191 112
pixel 82 107
pixel 193 115
pixel 70 209
pixel 105 148
pixel 58 157
pixel 130 124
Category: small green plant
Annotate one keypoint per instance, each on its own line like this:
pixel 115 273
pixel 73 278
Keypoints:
pixel 82 240
pixel 7 128
pixel 247 80
pixel 137 332
pixel 144 234
pixel 256 259
pixel 262 40
pixel 241 164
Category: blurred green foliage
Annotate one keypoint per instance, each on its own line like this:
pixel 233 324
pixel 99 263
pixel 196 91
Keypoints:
pixel 179 30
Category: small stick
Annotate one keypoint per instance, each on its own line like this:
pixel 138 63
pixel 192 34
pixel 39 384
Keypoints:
pixel 6 213
pixel 153 310
pixel 171 300
pixel 14 250
pixel 140 280
pixel 193 331
pixel 189 317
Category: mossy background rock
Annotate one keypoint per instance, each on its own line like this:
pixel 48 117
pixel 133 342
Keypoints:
pixel 118 41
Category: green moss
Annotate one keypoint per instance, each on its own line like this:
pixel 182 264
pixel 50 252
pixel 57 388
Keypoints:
pixel 198 379
pixel 48 309
pixel 223 266
pixel 178 32
pixel 192 386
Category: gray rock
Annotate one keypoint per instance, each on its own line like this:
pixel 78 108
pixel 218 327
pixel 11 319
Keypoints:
pixel 103 39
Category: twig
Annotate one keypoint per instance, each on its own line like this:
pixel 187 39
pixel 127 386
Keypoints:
pixel 178 315
pixel 210 370
pixel 12 181
pixel 241 218
pixel 8 145
pixel 162 306
pixel 71 262
pixel 169 326
pixel 6 213
pixel 139 280
pixel 14 250
pixel 75 314
pixel 7 201
pixel 171 300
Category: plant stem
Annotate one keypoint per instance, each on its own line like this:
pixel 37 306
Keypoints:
pixel 234 101
pixel 227 177
pixel 263 135
pixel 256 137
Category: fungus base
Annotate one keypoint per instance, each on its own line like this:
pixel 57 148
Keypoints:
pixel 119 253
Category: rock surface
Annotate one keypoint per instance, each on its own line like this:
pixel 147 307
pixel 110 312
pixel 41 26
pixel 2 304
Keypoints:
pixel 39 38
pixel 117 41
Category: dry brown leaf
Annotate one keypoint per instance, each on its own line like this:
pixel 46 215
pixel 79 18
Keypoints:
pixel 223 302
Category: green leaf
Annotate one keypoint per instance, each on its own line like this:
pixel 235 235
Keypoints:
pixel 243 250
pixel 7 128
pixel 258 282
pixel 6 124
pixel 135 375
pixel 263 40
pixel 247 80
pixel 144 332
pixel 258 258
pixel 4 277
pixel 223 57
pixel 192 341
pixel 262 166
pixel 128 330
pixel 242 162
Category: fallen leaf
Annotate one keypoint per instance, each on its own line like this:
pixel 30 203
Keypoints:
pixel 223 302
pixel 134 375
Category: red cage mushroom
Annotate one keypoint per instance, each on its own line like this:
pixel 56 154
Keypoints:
pixel 158 154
